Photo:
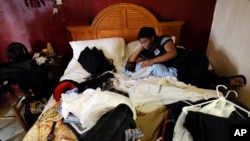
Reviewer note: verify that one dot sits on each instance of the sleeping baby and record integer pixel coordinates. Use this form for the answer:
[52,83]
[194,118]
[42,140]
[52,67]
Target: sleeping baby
[135,70]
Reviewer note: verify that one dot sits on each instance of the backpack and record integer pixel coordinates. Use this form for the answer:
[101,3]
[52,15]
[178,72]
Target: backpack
[17,52]
[94,61]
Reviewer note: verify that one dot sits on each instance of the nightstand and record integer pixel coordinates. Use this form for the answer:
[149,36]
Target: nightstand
[54,68]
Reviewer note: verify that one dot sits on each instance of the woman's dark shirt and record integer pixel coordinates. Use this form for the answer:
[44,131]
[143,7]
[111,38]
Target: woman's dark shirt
[159,50]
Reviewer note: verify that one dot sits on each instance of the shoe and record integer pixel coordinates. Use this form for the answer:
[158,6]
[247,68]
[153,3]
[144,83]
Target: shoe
[237,81]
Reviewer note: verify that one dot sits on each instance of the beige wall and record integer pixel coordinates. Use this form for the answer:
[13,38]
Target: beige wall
[229,42]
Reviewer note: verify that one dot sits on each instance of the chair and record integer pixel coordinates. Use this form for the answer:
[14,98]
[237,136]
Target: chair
[16,107]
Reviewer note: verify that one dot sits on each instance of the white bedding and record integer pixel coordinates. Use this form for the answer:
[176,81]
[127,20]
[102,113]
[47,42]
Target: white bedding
[145,94]
[152,90]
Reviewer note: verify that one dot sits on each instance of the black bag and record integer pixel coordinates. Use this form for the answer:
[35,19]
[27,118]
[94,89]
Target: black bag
[34,106]
[25,73]
[112,125]
[94,61]
[11,70]
[95,82]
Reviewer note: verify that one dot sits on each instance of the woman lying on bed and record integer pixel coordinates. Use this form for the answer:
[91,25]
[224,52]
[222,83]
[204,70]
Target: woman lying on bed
[192,67]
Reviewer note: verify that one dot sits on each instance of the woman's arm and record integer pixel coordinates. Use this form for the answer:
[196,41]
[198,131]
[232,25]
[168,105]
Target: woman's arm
[134,57]
[171,53]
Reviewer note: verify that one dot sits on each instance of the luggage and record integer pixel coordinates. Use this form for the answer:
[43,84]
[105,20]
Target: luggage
[111,126]
[25,73]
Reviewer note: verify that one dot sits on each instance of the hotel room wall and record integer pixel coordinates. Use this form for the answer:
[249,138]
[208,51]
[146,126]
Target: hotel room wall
[36,26]
[228,47]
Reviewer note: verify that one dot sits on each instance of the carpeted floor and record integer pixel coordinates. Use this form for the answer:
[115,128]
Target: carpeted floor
[6,100]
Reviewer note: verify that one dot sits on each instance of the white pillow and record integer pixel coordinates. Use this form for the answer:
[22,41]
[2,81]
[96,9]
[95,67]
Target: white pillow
[74,71]
[130,48]
[113,48]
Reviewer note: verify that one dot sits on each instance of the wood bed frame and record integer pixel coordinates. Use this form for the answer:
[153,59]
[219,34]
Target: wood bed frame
[124,20]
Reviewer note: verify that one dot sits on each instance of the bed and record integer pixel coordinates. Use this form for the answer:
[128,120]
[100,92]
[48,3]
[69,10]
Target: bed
[114,30]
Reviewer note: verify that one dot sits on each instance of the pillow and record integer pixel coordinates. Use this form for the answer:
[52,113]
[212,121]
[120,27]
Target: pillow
[130,48]
[113,48]
[74,71]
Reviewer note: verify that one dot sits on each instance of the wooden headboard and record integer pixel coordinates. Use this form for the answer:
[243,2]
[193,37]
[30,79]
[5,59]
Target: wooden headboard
[124,20]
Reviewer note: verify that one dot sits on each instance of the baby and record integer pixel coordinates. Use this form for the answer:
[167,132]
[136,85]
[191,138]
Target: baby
[134,70]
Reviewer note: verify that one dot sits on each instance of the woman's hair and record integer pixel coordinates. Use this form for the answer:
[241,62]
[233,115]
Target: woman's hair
[147,32]
[17,52]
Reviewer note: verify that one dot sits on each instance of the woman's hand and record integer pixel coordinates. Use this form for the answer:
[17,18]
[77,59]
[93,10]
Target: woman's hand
[146,63]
